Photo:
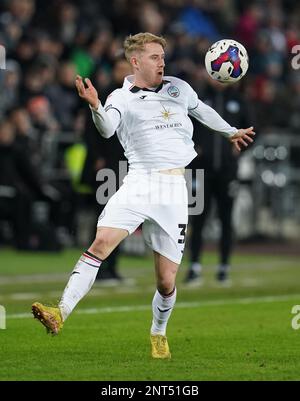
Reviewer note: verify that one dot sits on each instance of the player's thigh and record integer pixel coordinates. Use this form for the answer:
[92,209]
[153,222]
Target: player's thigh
[108,238]
[166,236]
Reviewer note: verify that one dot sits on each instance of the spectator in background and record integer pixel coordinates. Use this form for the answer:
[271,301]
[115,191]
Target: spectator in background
[48,45]
[20,184]
[42,116]
[9,85]
[25,52]
[151,20]
[26,135]
[15,20]
[67,22]
[248,25]
[32,85]
[93,55]
[219,160]
[62,92]
[269,108]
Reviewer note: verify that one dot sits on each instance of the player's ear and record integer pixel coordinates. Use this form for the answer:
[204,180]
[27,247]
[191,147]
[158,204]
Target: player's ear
[134,61]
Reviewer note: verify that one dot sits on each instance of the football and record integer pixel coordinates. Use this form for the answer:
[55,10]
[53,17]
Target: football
[227,61]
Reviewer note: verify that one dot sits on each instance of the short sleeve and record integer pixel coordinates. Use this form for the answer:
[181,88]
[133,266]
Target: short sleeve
[115,102]
[192,98]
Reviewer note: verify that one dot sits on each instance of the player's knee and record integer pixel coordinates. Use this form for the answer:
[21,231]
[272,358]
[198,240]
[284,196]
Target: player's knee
[165,286]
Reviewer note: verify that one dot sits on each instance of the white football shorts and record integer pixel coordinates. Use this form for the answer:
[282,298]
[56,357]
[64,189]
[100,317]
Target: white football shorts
[157,200]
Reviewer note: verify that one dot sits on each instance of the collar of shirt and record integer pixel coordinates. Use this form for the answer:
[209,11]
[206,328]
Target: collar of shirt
[128,84]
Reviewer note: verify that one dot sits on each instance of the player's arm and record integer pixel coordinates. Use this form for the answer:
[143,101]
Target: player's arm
[211,119]
[105,124]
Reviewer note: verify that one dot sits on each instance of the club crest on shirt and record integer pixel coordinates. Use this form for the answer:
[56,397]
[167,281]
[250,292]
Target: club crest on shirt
[173,91]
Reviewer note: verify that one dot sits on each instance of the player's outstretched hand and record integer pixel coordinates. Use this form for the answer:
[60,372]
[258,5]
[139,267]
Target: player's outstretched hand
[89,94]
[242,137]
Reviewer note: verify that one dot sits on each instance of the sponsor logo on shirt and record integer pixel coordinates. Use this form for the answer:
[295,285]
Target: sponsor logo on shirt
[166,114]
[164,126]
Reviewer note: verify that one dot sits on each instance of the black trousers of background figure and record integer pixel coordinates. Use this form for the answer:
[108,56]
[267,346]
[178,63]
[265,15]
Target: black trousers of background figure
[18,211]
[222,189]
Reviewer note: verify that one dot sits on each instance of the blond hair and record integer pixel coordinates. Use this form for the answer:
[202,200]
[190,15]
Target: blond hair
[137,42]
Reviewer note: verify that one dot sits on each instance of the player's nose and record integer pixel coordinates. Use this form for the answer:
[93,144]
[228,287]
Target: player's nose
[161,62]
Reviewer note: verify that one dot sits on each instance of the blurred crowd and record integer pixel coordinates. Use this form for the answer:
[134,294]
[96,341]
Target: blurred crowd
[48,43]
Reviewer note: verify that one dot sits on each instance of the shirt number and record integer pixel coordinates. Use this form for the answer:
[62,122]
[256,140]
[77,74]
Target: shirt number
[182,233]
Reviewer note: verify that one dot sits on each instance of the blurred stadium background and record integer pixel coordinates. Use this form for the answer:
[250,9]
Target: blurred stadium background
[41,114]
[46,207]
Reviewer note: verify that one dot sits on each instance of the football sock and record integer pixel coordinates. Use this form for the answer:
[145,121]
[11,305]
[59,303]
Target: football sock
[162,306]
[80,282]
[196,267]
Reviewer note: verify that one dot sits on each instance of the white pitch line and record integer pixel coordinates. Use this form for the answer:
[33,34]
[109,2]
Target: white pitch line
[62,277]
[34,278]
[23,296]
[95,292]
[179,305]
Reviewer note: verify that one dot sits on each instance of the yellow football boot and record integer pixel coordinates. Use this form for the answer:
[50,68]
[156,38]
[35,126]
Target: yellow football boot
[49,316]
[159,347]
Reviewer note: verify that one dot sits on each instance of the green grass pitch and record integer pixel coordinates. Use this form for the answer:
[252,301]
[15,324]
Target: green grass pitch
[242,332]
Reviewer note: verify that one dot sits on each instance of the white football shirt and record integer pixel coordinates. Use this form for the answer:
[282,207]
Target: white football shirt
[153,126]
